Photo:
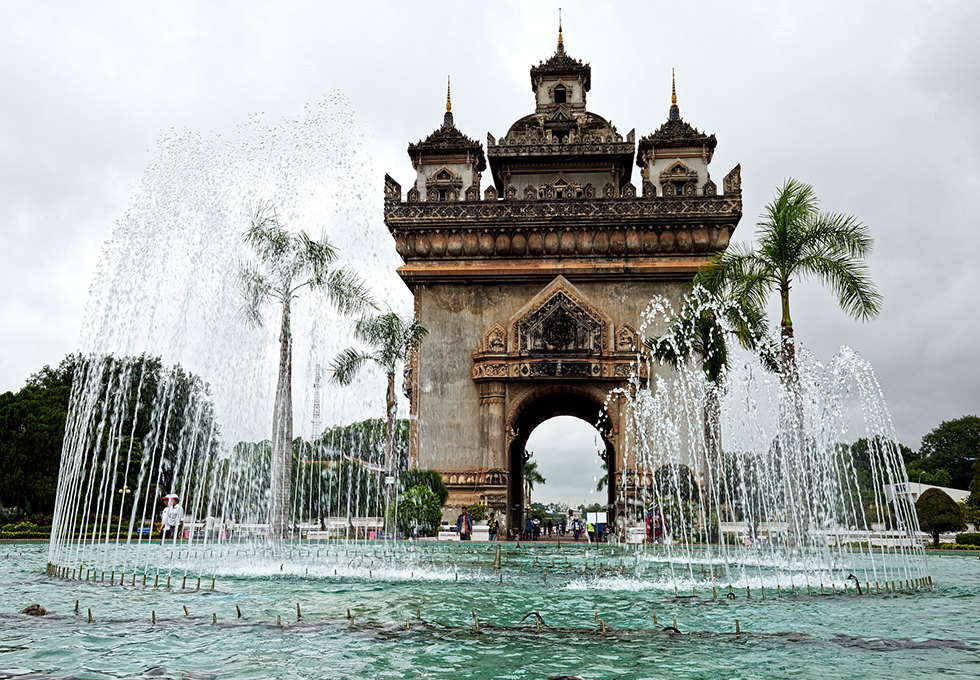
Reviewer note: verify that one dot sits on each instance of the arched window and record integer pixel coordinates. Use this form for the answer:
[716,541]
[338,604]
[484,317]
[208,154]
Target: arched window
[561,94]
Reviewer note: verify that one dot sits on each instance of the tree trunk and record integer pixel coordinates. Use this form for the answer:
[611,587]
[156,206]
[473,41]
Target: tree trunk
[282,434]
[935,538]
[391,465]
[710,496]
[796,469]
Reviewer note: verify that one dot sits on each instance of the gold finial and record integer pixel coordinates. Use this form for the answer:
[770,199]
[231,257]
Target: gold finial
[449,101]
[673,88]
[559,27]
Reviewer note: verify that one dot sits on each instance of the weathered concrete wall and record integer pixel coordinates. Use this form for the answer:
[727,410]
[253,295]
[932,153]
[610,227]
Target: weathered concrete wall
[452,434]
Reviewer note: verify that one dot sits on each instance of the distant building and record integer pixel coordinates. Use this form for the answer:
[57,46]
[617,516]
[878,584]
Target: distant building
[913,490]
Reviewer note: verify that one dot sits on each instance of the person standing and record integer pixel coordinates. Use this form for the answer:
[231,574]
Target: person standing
[492,525]
[464,525]
[172,518]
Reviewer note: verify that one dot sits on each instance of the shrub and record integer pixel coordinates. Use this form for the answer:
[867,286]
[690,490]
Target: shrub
[418,512]
[478,513]
[968,539]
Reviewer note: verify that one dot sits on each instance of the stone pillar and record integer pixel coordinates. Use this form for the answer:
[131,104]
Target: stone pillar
[492,408]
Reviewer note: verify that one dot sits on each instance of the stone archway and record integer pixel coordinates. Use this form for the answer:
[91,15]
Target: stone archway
[540,404]
[547,272]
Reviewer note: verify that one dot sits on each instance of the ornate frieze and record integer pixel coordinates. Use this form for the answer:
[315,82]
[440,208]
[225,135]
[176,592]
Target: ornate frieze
[569,228]
[557,335]
[474,478]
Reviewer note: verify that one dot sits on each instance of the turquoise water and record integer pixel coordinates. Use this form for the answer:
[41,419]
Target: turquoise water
[911,634]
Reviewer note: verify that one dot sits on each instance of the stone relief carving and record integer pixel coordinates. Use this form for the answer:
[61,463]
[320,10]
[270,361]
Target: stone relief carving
[733,181]
[560,326]
[626,339]
[393,190]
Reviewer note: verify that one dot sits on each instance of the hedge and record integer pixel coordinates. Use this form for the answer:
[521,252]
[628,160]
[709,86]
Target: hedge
[968,539]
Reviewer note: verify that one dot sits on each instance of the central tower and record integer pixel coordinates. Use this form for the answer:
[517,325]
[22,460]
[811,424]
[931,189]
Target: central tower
[533,288]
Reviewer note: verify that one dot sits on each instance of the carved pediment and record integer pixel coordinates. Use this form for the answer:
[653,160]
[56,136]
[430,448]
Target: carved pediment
[560,321]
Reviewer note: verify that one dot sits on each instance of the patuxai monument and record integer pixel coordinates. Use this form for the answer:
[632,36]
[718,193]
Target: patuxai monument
[532,284]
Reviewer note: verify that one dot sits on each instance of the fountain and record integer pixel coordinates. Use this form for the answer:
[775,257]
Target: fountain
[175,395]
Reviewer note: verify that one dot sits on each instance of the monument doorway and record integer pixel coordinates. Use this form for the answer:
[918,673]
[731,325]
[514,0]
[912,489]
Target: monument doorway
[569,453]
[545,403]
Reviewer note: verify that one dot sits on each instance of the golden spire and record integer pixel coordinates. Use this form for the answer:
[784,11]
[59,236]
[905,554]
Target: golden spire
[449,101]
[675,112]
[559,26]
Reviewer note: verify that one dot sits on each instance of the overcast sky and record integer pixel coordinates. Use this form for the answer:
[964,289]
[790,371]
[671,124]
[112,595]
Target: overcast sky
[877,105]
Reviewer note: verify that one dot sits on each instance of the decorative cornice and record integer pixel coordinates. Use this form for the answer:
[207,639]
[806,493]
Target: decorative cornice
[674,134]
[601,213]
[446,140]
[557,149]
[560,63]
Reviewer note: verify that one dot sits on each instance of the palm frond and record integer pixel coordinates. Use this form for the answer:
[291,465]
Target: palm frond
[346,365]
[256,291]
[850,279]
[315,257]
[347,292]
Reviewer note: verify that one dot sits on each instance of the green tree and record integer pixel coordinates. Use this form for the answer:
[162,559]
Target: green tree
[287,263]
[710,318]
[392,339]
[363,440]
[938,514]
[953,447]
[531,477]
[418,512]
[32,431]
[796,242]
[478,512]
[430,479]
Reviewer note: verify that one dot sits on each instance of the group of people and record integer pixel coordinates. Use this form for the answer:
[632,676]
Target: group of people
[172,519]
[464,525]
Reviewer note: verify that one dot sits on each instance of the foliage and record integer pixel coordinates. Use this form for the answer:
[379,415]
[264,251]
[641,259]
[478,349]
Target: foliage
[341,489]
[968,539]
[531,474]
[938,513]
[363,440]
[954,447]
[478,512]
[392,340]
[418,512]
[430,479]
[539,514]
[155,403]
[940,477]
[796,241]
[673,481]
[698,332]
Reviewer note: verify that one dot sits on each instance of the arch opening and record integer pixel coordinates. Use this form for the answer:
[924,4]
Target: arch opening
[578,404]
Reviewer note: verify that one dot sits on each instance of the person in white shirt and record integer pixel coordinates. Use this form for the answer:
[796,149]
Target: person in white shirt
[172,518]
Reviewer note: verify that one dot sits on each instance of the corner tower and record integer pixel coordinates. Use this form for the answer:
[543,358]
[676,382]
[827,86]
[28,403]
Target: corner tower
[533,291]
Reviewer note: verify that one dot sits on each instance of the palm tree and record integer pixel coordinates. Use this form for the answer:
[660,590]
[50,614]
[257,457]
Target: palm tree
[698,333]
[797,241]
[393,339]
[285,264]
[531,477]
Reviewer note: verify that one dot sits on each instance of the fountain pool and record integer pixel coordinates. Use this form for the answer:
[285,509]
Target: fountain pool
[416,619]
